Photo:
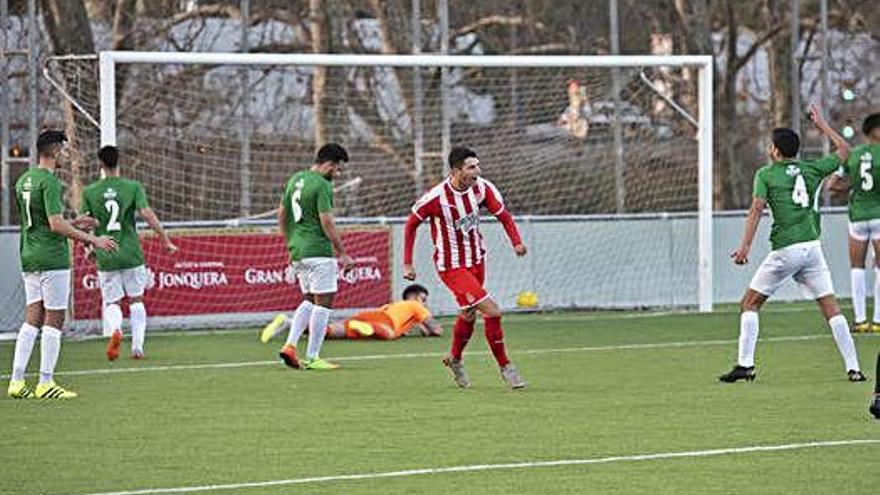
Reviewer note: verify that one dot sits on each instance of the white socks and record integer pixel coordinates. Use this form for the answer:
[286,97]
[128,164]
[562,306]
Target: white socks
[50,346]
[857,279]
[317,330]
[24,345]
[877,295]
[112,319]
[138,325]
[300,321]
[748,338]
[845,344]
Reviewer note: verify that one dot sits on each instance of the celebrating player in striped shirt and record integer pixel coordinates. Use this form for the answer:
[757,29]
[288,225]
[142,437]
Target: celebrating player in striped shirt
[453,210]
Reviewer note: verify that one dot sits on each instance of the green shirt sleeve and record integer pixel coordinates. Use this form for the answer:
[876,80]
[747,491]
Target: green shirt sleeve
[140,197]
[325,198]
[52,198]
[84,203]
[759,190]
[828,164]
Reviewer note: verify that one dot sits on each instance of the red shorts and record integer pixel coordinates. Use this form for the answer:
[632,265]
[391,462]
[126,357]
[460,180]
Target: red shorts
[466,285]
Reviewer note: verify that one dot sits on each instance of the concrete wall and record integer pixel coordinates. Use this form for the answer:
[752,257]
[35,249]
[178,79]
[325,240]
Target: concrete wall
[629,263]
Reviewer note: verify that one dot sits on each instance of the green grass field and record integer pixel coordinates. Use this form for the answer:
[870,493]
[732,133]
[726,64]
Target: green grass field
[213,410]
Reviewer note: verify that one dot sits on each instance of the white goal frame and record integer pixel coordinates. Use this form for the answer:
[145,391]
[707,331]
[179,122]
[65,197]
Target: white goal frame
[108,60]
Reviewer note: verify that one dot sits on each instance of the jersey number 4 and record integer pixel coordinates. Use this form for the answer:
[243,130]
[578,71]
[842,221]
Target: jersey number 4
[799,195]
[113,209]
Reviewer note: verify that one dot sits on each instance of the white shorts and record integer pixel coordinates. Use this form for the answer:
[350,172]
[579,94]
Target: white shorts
[316,275]
[804,262]
[868,229]
[52,287]
[119,283]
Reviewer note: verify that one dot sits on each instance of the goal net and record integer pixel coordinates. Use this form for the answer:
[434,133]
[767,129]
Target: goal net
[604,161]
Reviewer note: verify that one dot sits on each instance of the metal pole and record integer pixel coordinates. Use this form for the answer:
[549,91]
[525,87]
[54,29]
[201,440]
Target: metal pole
[619,175]
[823,80]
[33,82]
[795,66]
[418,100]
[446,131]
[5,112]
[704,198]
[245,127]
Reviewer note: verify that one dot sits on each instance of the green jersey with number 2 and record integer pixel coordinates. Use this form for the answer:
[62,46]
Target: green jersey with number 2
[791,188]
[307,195]
[863,169]
[113,202]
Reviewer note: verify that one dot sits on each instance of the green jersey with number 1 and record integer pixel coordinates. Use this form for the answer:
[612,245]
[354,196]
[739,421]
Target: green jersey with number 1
[307,195]
[113,202]
[791,188]
[38,195]
[863,169]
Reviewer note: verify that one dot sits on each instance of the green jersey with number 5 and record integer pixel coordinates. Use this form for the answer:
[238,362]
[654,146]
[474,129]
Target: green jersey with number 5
[791,188]
[113,202]
[307,195]
[38,195]
[862,169]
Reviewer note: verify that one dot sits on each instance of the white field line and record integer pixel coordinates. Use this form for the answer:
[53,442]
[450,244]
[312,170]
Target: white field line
[411,355]
[496,467]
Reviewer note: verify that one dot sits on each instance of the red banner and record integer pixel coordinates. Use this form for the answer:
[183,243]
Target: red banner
[238,273]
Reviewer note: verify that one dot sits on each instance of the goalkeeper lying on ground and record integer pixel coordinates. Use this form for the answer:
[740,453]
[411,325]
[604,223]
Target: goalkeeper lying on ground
[388,322]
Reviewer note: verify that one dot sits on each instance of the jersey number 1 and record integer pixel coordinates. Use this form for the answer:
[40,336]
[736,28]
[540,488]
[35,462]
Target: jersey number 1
[799,195]
[26,196]
[113,208]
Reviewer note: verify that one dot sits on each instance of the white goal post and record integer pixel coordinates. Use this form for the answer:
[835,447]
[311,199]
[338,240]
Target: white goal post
[109,60]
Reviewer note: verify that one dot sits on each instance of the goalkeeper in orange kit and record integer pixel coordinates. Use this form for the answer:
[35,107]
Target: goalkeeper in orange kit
[388,322]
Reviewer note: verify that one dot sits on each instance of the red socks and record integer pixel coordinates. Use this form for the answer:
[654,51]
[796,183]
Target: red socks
[495,339]
[461,333]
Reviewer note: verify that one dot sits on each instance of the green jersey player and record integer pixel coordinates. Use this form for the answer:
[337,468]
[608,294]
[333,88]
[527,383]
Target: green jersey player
[305,218]
[791,188]
[862,168]
[113,202]
[45,266]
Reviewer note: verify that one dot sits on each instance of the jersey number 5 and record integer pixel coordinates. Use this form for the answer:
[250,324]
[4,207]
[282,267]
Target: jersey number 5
[113,208]
[799,194]
[865,172]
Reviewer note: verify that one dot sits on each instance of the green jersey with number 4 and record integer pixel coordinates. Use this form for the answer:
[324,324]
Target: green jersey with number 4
[38,196]
[113,202]
[863,169]
[307,195]
[791,188]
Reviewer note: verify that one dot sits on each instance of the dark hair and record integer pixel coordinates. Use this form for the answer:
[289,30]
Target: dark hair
[458,155]
[871,122]
[331,152]
[47,141]
[786,141]
[109,156]
[414,289]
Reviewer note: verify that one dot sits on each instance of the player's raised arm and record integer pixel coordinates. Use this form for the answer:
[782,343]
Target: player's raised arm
[842,146]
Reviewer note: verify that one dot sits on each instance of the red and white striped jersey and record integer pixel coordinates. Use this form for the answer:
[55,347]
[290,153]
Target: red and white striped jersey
[455,221]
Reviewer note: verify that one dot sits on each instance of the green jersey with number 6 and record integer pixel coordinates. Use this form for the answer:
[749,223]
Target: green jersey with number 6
[307,195]
[113,202]
[38,195]
[791,188]
[863,169]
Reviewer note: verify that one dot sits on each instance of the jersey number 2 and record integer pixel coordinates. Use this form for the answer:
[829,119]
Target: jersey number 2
[799,195]
[113,208]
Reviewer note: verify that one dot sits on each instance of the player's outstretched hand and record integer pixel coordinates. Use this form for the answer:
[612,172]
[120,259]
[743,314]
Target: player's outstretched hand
[740,256]
[105,243]
[409,272]
[84,222]
[816,116]
[520,249]
[170,248]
